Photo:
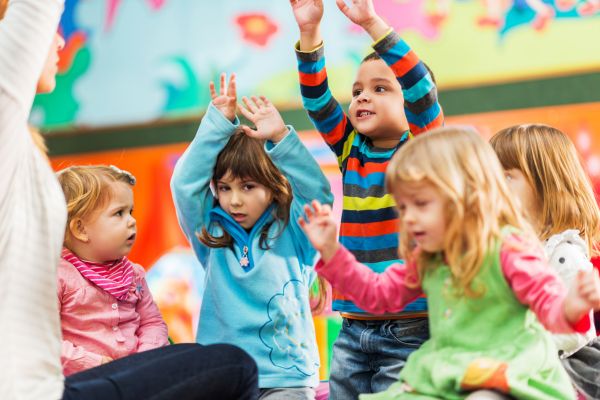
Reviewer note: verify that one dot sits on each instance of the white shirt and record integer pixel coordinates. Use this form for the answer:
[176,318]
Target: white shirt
[32,214]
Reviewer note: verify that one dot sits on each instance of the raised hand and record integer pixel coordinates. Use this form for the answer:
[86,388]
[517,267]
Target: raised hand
[321,229]
[226,100]
[583,296]
[363,13]
[308,14]
[266,118]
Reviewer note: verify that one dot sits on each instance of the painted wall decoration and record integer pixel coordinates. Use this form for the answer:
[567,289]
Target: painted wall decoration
[140,60]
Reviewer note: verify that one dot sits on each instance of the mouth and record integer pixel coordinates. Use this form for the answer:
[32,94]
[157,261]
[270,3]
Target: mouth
[364,114]
[131,238]
[418,235]
[238,217]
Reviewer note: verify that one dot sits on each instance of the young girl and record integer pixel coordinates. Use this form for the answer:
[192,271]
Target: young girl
[106,308]
[258,261]
[468,249]
[545,175]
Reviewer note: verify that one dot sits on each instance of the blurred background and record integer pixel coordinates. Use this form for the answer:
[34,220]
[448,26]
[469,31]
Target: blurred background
[133,85]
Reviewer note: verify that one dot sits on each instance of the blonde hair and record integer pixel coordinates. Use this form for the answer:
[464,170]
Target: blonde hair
[465,171]
[550,163]
[87,189]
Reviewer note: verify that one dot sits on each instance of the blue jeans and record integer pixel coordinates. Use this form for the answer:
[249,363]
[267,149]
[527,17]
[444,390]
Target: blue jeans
[176,372]
[368,355]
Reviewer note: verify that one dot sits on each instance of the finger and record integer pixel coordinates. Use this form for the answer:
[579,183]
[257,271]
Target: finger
[222,88]
[211,88]
[247,114]
[302,223]
[326,210]
[342,6]
[248,131]
[309,213]
[317,206]
[266,101]
[231,88]
[259,103]
[249,105]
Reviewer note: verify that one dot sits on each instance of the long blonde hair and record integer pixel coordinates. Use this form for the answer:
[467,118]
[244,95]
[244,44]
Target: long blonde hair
[87,189]
[550,163]
[466,172]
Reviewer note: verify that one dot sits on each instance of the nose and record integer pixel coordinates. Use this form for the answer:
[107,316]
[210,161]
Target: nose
[60,42]
[363,97]
[236,198]
[408,217]
[132,222]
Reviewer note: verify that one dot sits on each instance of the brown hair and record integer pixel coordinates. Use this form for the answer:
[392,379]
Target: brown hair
[244,157]
[87,188]
[550,163]
[465,171]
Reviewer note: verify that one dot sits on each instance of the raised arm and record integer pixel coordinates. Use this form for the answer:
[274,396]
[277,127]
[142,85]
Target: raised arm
[421,106]
[190,183]
[26,32]
[323,109]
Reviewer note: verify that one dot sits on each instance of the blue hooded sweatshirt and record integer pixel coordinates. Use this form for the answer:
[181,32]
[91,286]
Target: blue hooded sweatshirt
[262,307]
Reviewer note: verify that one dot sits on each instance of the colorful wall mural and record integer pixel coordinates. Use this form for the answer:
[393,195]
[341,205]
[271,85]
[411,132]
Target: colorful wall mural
[137,61]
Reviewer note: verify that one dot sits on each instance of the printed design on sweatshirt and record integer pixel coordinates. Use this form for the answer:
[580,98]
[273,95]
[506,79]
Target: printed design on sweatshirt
[288,332]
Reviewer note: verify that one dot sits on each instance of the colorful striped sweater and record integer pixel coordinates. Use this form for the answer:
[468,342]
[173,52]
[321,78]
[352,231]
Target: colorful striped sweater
[369,227]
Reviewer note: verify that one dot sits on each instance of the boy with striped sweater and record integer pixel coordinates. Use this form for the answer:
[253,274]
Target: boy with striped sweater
[394,96]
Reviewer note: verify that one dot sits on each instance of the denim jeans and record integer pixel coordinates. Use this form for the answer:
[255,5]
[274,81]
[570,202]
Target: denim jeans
[368,355]
[178,372]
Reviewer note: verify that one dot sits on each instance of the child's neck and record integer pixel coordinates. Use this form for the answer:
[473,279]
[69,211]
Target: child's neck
[85,253]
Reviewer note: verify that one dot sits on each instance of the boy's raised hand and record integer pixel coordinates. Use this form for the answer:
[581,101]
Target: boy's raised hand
[226,100]
[320,229]
[363,13]
[268,121]
[583,296]
[308,14]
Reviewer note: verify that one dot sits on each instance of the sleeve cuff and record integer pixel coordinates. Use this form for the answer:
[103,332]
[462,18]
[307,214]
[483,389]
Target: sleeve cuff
[375,43]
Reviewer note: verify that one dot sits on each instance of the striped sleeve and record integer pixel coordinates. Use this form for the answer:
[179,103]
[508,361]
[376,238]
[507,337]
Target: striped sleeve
[421,106]
[323,109]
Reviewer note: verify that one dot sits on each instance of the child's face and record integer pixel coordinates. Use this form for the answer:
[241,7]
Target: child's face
[244,199]
[377,106]
[524,192]
[422,214]
[111,231]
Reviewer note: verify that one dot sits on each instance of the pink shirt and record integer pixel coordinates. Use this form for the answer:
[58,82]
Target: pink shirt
[95,324]
[525,269]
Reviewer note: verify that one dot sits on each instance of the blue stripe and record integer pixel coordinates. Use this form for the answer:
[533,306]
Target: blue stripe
[419,305]
[419,90]
[399,50]
[362,151]
[326,125]
[310,67]
[371,242]
[413,76]
[383,214]
[316,103]
[373,179]
[426,117]
[379,267]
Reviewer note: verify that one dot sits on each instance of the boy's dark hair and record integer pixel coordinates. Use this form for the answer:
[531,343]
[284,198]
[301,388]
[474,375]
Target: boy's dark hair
[374,56]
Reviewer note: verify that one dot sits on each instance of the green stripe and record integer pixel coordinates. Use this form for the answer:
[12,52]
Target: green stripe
[581,88]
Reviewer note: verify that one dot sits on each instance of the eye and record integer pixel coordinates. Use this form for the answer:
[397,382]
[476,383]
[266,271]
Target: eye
[131,212]
[356,92]
[421,203]
[222,188]
[119,213]
[249,186]
[508,176]
[380,89]
[402,207]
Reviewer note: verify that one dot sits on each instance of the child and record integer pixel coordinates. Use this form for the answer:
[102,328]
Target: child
[545,175]
[106,309]
[393,97]
[258,261]
[469,250]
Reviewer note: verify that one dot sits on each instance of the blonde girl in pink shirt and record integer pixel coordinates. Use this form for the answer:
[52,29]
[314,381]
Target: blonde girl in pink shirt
[106,309]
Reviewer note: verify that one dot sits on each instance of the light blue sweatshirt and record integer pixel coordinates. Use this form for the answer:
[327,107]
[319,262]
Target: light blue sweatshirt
[262,308]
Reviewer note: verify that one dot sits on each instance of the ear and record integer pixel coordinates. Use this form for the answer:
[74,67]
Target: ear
[77,229]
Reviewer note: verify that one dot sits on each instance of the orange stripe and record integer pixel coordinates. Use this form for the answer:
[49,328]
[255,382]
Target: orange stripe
[405,64]
[436,123]
[369,229]
[336,133]
[313,79]
[366,169]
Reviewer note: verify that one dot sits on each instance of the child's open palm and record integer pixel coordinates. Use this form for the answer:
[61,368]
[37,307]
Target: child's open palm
[361,13]
[583,295]
[266,118]
[308,13]
[320,228]
[226,100]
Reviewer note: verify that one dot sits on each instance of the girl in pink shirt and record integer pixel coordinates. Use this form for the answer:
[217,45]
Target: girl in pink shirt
[467,248]
[106,309]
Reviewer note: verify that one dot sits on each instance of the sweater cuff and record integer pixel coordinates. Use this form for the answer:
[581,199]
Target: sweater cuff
[309,56]
[327,269]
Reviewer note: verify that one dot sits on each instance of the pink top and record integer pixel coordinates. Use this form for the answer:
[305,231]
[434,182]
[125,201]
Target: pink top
[94,324]
[525,269]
